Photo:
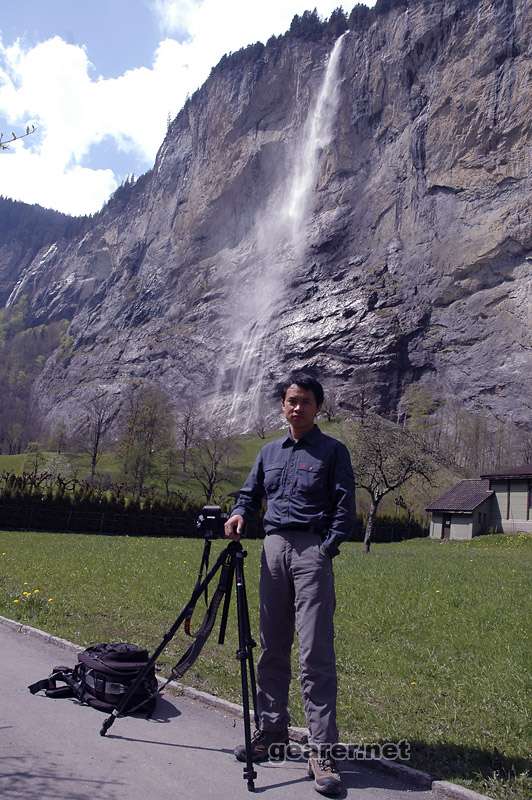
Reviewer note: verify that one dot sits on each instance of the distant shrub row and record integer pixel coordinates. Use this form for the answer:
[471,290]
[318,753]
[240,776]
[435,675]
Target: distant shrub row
[81,495]
[88,510]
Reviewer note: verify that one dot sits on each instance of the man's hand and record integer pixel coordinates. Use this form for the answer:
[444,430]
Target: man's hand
[233,527]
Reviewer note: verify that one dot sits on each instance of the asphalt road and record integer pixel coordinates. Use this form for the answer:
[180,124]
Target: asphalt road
[52,750]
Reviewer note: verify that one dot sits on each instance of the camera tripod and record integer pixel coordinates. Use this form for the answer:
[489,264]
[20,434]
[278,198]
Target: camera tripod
[230,562]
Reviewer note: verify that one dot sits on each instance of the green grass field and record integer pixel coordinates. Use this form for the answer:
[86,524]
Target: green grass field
[432,640]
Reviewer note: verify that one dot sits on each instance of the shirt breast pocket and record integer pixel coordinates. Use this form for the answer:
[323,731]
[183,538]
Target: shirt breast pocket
[310,478]
[272,479]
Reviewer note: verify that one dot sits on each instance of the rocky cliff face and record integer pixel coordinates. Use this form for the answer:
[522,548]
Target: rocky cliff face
[416,264]
[24,232]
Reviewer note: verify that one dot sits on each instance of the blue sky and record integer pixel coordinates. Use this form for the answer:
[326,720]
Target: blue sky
[98,24]
[100,78]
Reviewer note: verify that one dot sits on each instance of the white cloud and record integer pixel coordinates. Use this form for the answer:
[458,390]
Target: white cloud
[51,85]
[175,16]
[27,175]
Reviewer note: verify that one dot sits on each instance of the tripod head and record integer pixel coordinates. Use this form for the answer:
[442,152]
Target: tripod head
[211,522]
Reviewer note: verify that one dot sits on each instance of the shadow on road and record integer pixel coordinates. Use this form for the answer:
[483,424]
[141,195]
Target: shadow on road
[169,744]
[164,711]
[354,776]
[31,783]
[449,761]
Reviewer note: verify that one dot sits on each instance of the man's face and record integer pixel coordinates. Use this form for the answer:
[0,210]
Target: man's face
[299,408]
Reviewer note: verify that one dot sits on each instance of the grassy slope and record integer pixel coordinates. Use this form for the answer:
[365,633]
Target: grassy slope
[12,463]
[431,638]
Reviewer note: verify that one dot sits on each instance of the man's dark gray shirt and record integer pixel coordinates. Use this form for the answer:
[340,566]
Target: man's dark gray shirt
[308,484]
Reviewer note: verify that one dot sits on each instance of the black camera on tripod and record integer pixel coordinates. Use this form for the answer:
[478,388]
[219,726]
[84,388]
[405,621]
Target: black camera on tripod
[211,522]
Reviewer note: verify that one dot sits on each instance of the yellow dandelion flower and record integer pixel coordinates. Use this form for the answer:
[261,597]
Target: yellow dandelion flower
[17,600]
[36,591]
[26,594]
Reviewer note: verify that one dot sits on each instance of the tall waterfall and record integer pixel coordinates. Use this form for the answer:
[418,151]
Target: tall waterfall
[281,237]
[317,135]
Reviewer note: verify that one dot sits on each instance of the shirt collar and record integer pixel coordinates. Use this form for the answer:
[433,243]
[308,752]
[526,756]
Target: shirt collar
[310,437]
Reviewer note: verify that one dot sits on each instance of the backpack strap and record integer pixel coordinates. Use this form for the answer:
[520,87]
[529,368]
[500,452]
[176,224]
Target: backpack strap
[202,574]
[205,629]
[38,686]
[66,675]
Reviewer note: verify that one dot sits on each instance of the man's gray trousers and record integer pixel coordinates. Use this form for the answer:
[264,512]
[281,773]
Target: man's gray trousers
[297,592]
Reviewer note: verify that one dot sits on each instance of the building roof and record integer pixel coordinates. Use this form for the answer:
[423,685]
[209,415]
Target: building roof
[465,496]
[511,472]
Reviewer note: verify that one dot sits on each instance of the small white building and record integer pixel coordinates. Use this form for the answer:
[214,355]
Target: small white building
[500,501]
[462,512]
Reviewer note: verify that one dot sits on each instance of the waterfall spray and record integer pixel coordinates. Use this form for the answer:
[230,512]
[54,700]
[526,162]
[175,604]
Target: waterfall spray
[281,237]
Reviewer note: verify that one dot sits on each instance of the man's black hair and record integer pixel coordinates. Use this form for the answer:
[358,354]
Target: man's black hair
[304,381]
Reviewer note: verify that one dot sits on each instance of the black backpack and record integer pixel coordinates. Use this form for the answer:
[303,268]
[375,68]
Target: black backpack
[102,676]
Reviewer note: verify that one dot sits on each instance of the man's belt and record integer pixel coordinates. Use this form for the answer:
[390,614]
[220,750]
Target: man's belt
[295,529]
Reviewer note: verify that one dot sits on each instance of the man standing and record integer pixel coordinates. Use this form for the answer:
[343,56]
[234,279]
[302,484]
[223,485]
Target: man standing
[308,483]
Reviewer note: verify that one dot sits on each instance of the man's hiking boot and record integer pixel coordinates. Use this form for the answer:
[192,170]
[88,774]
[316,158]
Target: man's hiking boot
[260,744]
[327,779]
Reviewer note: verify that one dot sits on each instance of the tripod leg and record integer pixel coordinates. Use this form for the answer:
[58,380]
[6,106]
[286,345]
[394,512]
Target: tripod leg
[250,644]
[227,600]
[243,656]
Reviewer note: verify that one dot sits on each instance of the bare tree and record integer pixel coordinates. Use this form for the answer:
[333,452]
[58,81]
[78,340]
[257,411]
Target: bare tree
[361,395]
[526,447]
[14,436]
[260,426]
[95,427]
[59,437]
[385,456]
[34,460]
[330,407]
[211,457]
[262,420]
[4,144]
[147,425]
[168,464]
[473,442]
[187,420]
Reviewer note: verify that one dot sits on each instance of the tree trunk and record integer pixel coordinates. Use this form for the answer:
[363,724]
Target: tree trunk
[94,458]
[370,524]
